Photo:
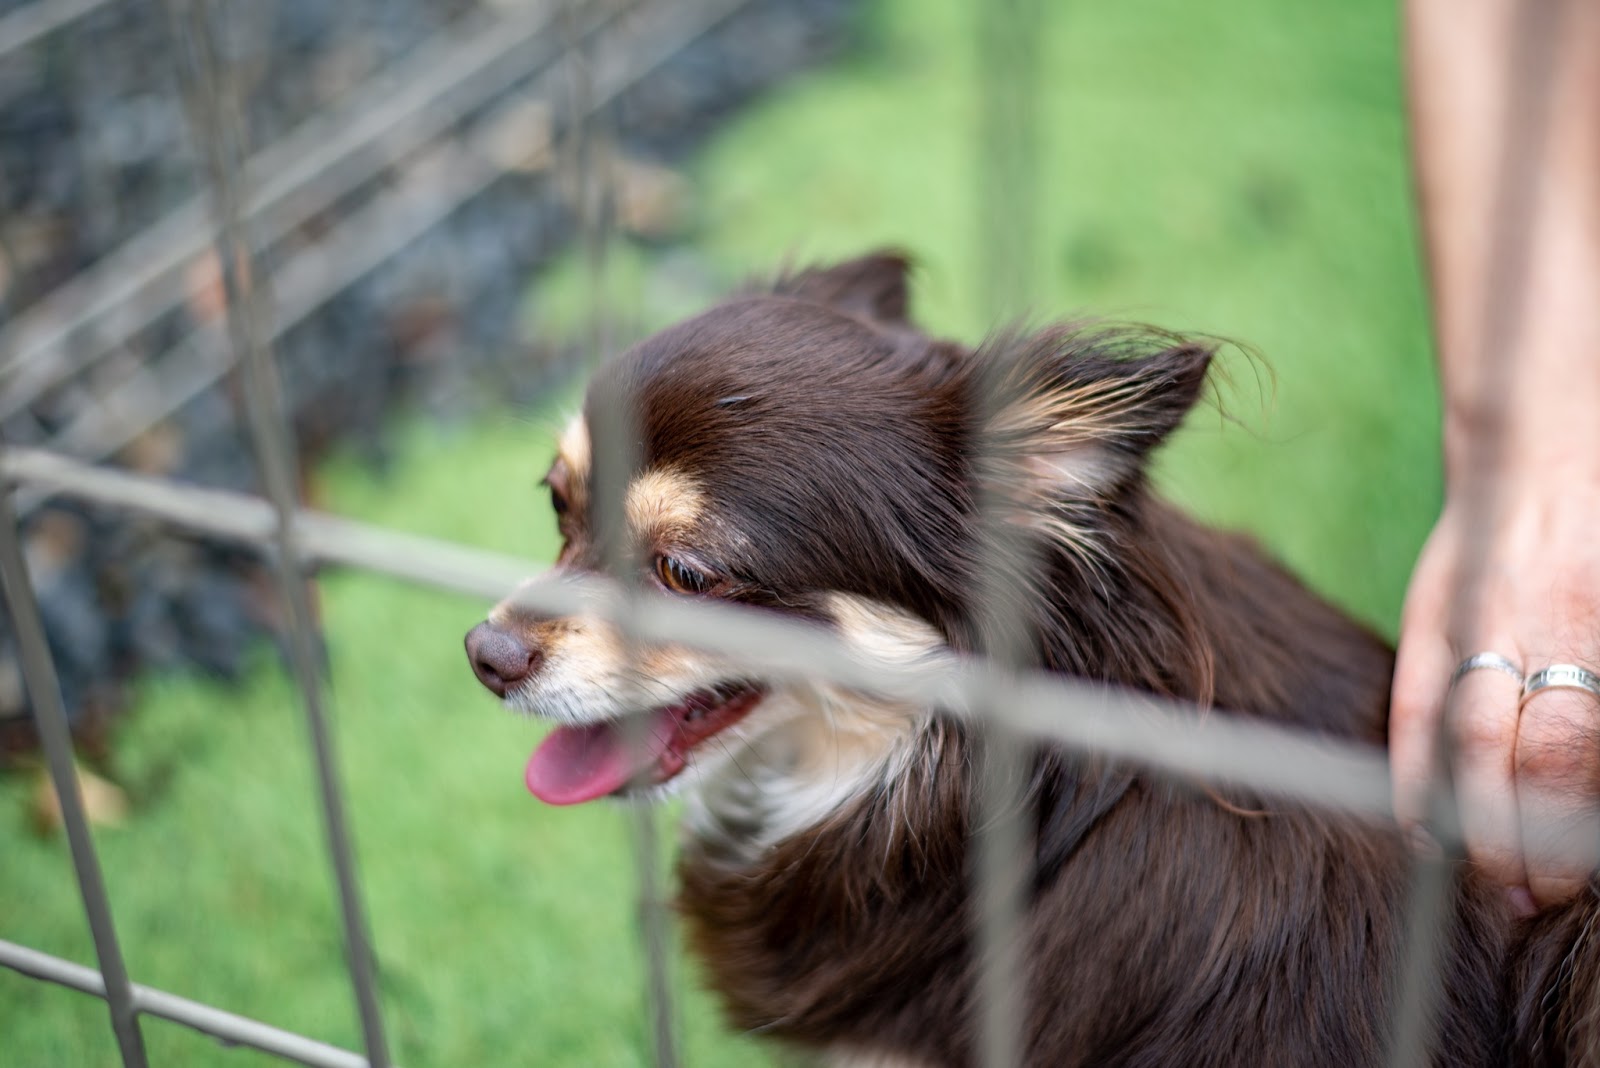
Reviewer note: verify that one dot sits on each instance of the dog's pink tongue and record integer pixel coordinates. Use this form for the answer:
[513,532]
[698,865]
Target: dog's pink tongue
[575,764]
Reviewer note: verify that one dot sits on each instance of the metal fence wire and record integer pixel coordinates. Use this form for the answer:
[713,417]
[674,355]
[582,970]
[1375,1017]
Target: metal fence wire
[250,200]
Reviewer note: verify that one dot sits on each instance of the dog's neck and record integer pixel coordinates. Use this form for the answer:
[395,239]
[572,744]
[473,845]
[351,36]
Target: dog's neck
[829,748]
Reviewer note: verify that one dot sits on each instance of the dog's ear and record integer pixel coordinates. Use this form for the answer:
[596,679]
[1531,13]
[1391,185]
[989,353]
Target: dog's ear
[871,286]
[1077,412]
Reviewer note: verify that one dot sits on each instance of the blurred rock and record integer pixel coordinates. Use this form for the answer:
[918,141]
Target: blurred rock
[653,202]
[104,803]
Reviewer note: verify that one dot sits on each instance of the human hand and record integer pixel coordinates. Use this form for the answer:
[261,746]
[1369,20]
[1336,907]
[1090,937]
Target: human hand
[1527,782]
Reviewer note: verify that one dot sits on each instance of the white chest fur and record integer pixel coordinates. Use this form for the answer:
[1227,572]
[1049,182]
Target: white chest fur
[827,748]
[811,749]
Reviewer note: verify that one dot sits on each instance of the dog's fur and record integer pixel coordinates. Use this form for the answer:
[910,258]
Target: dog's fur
[812,452]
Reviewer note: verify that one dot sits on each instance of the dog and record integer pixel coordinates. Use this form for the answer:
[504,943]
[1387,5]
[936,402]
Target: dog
[805,449]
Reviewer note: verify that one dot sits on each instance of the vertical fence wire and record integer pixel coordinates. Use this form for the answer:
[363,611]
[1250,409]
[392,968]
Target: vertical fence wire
[613,436]
[1006,144]
[219,134]
[44,690]
[1533,58]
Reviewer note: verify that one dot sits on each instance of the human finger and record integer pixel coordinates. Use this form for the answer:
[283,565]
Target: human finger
[1557,766]
[1481,715]
[1421,675]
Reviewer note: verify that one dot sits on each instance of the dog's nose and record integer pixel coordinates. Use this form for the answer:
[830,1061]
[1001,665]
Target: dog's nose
[499,658]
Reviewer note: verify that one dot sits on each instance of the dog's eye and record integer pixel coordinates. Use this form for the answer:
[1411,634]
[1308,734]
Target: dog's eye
[679,577]
[558,501]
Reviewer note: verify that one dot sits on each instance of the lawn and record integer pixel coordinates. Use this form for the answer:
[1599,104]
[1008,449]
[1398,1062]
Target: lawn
[1234,167]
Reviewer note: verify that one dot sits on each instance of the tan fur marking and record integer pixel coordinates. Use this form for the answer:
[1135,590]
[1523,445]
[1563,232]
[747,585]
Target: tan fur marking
[573,445]
[573,452]
[536,632]
[664,502]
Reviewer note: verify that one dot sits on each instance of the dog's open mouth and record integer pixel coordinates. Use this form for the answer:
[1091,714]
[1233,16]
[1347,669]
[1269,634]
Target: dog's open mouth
[575,764]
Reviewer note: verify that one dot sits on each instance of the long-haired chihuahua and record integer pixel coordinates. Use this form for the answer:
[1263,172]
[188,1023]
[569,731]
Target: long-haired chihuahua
[803,448]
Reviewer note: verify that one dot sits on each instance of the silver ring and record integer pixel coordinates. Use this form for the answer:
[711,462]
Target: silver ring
[1559,677]
[1488,660]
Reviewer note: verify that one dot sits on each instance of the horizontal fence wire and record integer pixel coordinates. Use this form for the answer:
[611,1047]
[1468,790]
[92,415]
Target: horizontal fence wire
[1298,766]
[226,1027]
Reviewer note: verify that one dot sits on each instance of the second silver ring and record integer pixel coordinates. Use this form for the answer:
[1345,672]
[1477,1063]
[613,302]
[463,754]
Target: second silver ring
[1560,677]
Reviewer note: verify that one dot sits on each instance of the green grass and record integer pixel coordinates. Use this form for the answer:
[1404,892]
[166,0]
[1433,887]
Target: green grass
[504,929]
[1235,167]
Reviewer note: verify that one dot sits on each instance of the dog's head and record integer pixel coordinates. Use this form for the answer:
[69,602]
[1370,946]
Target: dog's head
[805,449]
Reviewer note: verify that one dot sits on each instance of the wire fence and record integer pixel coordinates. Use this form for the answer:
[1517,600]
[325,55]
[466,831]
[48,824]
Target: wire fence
[584,55]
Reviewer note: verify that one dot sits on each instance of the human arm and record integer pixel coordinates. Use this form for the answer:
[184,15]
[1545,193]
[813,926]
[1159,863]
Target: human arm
[1513,565]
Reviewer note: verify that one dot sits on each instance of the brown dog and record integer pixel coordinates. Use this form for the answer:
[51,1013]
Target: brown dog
[807,450]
